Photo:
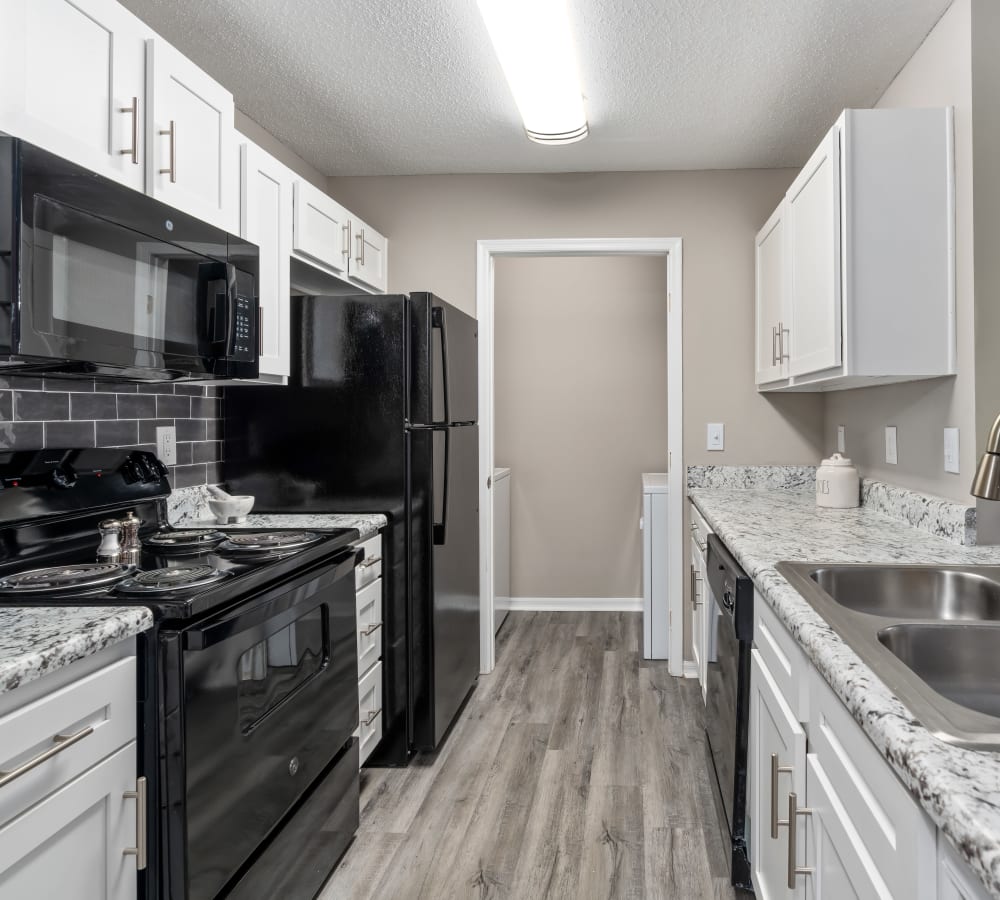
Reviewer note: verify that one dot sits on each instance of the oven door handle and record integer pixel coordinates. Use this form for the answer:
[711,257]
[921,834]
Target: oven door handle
[260,609]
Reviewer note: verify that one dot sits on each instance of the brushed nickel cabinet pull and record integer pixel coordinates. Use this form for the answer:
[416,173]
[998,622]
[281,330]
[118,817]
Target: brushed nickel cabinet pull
[774,345]
[775,770]
[61,742]
[171,170]
[371,629]
[369,561]
[139,850]
[133,151]
[360,238]
[782,331]
[793,813]
[372,716]
[346,231]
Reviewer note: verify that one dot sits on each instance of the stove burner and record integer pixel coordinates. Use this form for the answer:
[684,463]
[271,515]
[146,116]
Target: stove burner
[269,542]
[195,539]
[64,579]
[174,578]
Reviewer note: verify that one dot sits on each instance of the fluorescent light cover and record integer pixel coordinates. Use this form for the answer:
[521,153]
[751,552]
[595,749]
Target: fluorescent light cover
[532,40]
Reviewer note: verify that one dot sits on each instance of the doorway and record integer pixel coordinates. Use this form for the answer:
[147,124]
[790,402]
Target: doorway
[669,249]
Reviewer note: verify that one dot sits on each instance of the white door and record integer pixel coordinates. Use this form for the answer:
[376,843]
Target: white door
[771,318]
[369,255]
[192,163]
[777,762]
[813,243]
[71,844]
[74,83]
[266,219]
[320,229]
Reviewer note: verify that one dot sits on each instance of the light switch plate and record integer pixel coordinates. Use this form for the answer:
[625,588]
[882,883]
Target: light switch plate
[841,439]
[716,436]
[951,450]
[166,444]
[891,450]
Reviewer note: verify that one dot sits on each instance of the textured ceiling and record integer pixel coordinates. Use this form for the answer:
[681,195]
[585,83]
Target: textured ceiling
[413,86]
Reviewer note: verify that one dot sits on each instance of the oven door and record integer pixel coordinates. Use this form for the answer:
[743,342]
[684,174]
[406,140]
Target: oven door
[269,699]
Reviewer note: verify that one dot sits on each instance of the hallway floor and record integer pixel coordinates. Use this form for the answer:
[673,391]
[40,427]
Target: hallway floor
[576,770]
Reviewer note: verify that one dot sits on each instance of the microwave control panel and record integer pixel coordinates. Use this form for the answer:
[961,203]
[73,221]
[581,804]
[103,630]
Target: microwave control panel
[244,332]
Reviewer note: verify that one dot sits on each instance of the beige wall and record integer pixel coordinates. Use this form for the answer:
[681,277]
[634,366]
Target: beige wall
[581,412]
[434,221]
[939,74]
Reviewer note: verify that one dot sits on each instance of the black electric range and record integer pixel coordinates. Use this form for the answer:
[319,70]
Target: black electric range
[247,685]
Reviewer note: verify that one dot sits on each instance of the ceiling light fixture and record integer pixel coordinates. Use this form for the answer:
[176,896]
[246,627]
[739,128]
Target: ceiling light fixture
[532,40]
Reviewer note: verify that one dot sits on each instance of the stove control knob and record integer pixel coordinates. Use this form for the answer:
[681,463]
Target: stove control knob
[63,478]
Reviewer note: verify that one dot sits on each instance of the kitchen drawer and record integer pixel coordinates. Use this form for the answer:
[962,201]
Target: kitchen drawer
[370,711]
[781,654]
[369,626]
[699,528]
[103,701]
[370,567]
[896,832]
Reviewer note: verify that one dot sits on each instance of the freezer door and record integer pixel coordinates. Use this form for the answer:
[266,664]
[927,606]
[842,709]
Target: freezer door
[455,602]
[443,363]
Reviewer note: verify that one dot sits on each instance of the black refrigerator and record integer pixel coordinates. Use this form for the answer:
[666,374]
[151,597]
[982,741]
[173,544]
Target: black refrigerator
[380,415]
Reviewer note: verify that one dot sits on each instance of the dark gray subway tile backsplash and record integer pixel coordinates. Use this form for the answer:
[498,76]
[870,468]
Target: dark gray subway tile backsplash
[52,412]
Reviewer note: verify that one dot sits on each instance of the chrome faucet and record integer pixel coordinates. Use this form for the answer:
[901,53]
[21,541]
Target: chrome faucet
[986,483]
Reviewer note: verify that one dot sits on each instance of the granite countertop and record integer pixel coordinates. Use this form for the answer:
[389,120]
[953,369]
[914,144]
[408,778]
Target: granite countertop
[958,788]
[368,524]
[37,640]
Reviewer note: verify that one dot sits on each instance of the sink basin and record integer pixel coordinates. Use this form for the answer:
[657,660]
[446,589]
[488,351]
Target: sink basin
[960,662]
[912,592]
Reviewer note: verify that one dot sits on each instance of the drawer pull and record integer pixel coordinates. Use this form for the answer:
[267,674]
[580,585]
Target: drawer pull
[793,813]
[372,716]
[775,770]
[62,742]
[369,562]
[139,850]
[371,629]
[132,151]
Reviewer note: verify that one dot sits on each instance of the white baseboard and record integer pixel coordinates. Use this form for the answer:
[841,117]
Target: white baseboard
[575,604]
[690,669]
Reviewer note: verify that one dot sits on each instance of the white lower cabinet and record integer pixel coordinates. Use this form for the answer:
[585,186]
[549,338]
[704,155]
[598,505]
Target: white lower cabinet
[370,711]
[955,881]
[369,587]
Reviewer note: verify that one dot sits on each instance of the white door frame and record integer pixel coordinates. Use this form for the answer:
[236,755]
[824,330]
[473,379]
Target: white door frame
[670,249]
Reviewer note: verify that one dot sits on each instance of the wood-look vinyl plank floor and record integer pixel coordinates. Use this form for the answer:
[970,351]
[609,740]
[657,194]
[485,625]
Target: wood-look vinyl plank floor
[576,770]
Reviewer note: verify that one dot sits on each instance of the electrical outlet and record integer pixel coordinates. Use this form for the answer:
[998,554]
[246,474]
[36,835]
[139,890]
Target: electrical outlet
[166,444]
[841,439]
[951,450]
[891,450]
[716,436]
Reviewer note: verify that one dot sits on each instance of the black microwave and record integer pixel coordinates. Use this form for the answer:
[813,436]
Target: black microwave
[98,280]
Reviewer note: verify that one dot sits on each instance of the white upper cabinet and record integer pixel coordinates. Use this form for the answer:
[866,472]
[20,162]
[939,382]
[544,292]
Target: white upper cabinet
[855,270]
[87,103]
[320,232]
[191,138]
[368,256]
[266,220]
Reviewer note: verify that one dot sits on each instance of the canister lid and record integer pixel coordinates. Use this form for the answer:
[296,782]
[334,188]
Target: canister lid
[838,459]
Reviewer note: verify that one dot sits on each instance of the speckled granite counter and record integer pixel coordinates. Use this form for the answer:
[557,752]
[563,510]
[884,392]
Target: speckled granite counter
[368,525]
[40,639]
[959,788]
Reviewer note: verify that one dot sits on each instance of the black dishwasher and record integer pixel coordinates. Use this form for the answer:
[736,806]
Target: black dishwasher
[727,717]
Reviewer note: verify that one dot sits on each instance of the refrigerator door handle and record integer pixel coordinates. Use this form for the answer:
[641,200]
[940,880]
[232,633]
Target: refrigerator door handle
[438,321]
[440,528]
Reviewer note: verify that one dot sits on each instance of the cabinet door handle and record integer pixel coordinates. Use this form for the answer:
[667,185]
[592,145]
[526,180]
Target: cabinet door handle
[132,151]
[139,850]
[61,742]
[360,238]
[774,345]
[346,232]
[793,813]
[369,561]
[171,170]
[371,629]
[775,770]
[372,716]
[782,331]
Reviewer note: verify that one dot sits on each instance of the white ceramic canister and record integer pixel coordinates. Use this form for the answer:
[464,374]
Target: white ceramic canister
[837,483]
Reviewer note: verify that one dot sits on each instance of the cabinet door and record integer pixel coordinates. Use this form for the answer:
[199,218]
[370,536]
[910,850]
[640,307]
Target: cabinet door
[74,82]
[813,242]
[369,255]
[698,591]
[777,762]
[71,844]
[320,229]
[771,318]
[841,866]
[266,219]
[956,881]
[192,163]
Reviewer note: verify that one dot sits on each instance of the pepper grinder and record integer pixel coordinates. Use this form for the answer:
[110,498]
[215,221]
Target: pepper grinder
[131,548]
[110,550]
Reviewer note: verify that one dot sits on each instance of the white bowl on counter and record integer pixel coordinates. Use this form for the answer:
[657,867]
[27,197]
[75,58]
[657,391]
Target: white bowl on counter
[232,510]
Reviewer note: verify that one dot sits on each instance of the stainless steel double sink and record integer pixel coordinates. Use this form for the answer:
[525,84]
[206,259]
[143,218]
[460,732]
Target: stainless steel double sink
[931,633]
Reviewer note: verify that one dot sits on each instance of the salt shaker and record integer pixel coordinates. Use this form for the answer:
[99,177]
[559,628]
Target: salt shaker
[110,550]
[131,547]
